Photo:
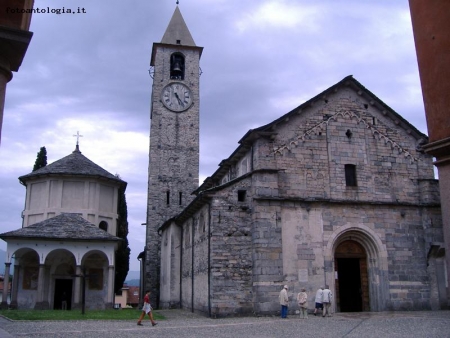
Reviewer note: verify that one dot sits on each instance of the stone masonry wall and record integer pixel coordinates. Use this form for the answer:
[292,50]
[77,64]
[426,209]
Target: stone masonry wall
[394,191]
[194,256]
[231,261]
[387,163]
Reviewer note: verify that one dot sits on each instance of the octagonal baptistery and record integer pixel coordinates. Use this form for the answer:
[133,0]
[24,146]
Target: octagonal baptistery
[73,184]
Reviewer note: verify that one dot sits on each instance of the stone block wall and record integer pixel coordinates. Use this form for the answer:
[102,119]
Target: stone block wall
[194,260]
[231,260]
[313,147]
[170,267]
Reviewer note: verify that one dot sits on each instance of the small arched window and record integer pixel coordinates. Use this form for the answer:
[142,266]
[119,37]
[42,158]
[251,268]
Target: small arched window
[103,225]
[177,66]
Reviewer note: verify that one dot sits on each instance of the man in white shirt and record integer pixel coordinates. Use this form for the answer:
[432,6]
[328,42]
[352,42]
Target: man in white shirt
[284,302]
[318,300]
[327,297]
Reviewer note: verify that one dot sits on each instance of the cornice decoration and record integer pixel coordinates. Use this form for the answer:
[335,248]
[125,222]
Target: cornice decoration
[322,126]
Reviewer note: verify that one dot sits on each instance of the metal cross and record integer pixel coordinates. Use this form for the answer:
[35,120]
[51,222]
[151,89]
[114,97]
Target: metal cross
[78,136]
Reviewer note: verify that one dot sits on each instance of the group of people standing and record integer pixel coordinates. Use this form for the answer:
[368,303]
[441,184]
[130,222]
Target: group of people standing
[322,300]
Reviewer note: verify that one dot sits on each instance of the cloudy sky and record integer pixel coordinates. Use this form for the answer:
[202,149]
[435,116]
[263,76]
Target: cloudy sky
[89,73]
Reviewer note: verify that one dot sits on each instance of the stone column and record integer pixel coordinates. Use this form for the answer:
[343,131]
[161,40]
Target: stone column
[77,290]
[15,287]
[40,303]
[4,304]
[110,296]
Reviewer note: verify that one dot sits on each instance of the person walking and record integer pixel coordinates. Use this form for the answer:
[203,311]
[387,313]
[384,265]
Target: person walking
[302,299]
[284,301]
[146,310]
[318,301]
[64,301]
[327,298]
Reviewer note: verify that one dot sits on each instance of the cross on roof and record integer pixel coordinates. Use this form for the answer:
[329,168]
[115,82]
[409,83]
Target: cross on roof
[78,136]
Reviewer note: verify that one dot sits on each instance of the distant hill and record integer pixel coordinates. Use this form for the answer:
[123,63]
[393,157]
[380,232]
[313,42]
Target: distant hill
[133,278]
[132,282]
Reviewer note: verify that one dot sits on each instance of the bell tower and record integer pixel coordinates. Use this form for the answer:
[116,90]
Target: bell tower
[174,137]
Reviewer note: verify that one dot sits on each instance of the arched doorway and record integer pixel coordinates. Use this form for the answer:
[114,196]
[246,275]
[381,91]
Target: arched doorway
[351,277]
[61,278]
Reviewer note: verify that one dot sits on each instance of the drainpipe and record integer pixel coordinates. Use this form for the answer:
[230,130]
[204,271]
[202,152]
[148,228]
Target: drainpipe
[209,260]
[253,160]
[192,266]
[181,267]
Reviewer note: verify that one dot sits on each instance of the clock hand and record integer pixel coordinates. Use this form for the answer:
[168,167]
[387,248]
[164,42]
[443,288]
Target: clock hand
[179,100]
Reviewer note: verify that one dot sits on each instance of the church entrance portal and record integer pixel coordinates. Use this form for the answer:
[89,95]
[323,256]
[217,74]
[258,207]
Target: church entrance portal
[352,286]
[63,290]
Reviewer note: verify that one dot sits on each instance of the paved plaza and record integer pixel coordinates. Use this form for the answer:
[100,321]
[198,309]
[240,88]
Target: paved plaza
[187,325]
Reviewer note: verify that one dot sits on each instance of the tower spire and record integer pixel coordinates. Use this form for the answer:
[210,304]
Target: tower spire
[177,32]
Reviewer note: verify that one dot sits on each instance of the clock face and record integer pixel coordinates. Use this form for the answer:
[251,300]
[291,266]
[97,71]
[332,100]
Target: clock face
[176,97]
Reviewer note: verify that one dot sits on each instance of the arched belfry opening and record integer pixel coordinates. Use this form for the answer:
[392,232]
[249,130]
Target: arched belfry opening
[352,282]
[177,66]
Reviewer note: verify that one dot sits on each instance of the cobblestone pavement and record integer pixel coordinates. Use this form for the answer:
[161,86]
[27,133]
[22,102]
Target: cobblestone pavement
[185,324]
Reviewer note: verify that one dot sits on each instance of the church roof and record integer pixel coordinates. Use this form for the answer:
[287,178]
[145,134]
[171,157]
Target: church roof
[177,30]
[62,227]
[75,164]
[267,130]
[351,82]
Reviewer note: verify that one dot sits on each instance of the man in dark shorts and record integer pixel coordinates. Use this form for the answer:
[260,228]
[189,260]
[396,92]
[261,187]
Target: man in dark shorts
[318,300]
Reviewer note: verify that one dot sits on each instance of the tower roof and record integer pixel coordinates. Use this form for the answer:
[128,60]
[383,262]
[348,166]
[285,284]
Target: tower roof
[177,33]
[74,164]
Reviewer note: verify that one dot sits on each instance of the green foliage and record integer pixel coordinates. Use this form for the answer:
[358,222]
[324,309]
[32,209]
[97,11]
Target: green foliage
[110,314]
[41,159]
[123,251]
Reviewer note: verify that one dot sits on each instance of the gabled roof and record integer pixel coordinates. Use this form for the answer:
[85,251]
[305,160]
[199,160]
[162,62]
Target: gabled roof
[62,227]
[177,30]
[351,82]
[268,130]
[75,164]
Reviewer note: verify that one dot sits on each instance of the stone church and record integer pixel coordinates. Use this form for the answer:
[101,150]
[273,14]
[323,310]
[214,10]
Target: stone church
[65,249]
[336,192]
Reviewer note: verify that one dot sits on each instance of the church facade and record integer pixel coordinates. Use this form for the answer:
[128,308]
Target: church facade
[336,192]
[68,238]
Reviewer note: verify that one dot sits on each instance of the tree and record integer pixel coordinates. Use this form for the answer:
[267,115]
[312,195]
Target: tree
[41,159]
[123,251]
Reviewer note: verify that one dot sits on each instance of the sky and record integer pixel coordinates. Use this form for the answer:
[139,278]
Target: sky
[88,72]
